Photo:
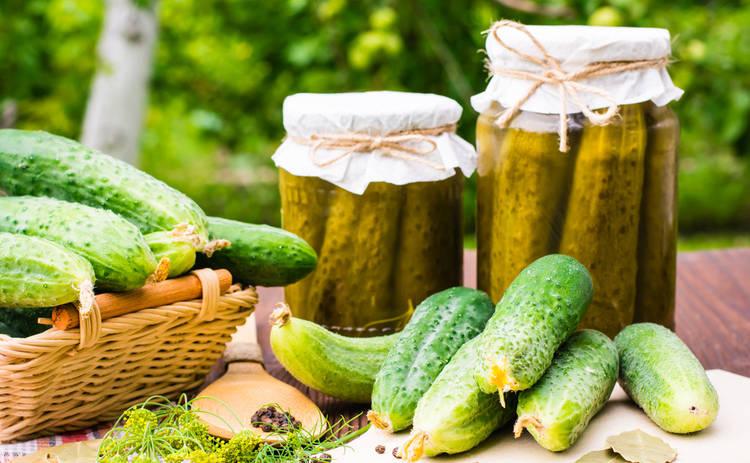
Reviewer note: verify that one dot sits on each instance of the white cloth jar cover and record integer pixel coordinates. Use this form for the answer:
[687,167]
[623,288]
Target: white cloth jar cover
[575,48]
[353,139]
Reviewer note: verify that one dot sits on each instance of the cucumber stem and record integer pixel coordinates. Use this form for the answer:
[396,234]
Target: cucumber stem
[500,376]
[186,232]
[86,298]
[379,421]
[215,245]
[162,271]
[413,449]
[524,422]
[281,314]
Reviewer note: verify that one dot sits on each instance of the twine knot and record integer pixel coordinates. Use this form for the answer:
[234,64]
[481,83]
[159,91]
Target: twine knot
[568,83]
[377,142]
[410,145]
[555,75]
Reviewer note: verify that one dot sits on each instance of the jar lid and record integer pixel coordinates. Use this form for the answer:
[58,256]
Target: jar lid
[576,46]
[352,139]
[367,112]
[577,50]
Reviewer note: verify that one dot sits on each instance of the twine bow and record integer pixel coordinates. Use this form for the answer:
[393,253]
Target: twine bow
[568,83]
[410,145]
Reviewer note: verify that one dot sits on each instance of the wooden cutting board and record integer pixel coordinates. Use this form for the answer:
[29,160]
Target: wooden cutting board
[727,440]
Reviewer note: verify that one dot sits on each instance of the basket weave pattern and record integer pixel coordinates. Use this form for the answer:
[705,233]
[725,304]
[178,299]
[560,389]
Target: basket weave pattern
[49,384]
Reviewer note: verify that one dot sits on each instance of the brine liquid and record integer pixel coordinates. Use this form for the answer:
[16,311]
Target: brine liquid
[379,254]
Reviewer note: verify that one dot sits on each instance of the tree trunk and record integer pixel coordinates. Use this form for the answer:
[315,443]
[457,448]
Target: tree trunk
[116,105]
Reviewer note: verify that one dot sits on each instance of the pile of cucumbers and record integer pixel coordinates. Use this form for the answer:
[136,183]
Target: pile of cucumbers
[75,220]
[462,368]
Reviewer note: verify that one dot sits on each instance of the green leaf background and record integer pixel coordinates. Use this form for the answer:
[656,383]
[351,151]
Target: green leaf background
[223,67]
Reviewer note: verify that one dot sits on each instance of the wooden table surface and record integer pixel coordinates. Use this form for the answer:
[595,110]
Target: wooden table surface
[713,317]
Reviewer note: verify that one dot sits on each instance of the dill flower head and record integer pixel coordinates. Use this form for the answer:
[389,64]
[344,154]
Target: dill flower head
[241,448]
[139,420]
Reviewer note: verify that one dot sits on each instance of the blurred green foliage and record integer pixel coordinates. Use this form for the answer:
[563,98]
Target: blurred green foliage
[713,240]
[223,68]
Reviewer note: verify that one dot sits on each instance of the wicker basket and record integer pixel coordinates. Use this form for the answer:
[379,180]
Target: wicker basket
[50,384]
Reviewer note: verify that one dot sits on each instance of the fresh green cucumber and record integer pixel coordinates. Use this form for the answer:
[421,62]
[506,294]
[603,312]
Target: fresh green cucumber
[35,272]
[661,375]
[42,164]
[557,409]
[259,254]
[336,365]
[115,248]
[176,246]
[441,324]
[22,323]
[455,415]
[538,311]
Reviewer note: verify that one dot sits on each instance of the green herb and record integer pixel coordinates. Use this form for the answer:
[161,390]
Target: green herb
[161,431]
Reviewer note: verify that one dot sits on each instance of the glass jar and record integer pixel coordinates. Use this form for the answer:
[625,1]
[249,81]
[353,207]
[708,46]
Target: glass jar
[379,254]
[386,243]
[609,200]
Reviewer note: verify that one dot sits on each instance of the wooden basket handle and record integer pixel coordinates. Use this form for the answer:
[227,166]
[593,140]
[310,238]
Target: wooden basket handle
[112,305]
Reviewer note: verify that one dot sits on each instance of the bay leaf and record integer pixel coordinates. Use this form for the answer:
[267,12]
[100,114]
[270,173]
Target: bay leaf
[77,452]
[638,447]
[602,456]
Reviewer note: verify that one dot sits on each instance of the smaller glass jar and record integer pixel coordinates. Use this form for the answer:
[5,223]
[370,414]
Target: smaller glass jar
[386,217]
[606,195]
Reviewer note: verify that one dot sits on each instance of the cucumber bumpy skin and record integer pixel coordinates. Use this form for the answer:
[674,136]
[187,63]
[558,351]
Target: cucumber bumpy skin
[115,248]
[538,311]
[35,272]
[557,409]
[441,324]
[41,164]
[455,415]
[662,375]
[336,365]
[259,254]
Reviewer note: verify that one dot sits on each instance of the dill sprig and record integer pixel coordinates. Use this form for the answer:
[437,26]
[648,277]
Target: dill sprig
[162,431]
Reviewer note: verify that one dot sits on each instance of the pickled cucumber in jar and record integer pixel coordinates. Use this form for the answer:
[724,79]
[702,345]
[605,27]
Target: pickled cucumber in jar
[373,181]
[429,256]
[657,253]
[522,190]
[603,216]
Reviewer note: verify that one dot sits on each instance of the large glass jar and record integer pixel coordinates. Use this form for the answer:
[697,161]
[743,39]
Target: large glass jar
[386,243]
[608,200]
